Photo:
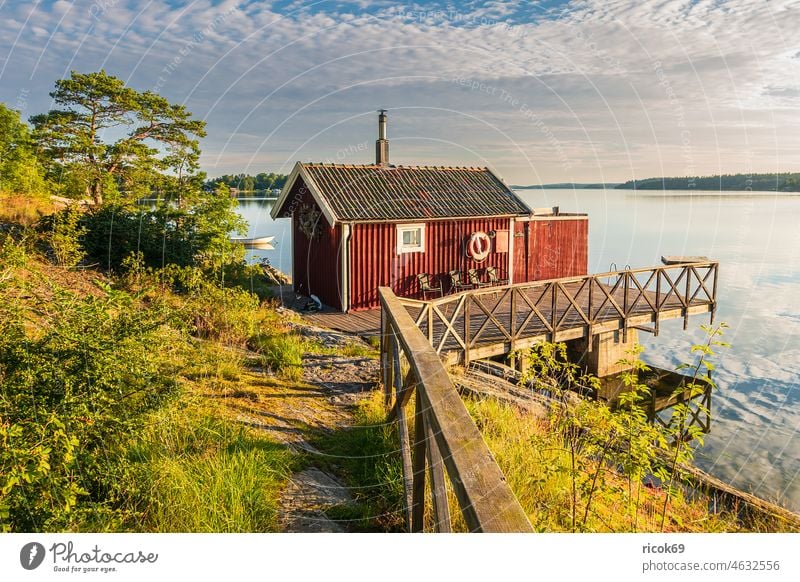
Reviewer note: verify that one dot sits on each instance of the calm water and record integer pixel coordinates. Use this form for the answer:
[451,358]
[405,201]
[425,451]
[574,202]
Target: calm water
[756,238]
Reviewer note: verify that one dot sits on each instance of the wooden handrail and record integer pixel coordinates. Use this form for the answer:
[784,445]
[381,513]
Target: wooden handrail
[564,280]
[444,434]
[547,309]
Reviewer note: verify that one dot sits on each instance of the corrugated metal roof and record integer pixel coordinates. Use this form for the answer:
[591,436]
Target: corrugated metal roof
[373,192]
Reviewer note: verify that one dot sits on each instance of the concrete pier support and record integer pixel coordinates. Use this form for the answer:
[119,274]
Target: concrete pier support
[607,350]
[519,361]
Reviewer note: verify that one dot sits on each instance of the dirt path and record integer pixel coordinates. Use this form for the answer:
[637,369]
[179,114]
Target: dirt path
[294,412]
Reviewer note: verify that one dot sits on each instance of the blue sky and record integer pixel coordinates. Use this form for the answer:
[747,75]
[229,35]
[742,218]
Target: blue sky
[540,91]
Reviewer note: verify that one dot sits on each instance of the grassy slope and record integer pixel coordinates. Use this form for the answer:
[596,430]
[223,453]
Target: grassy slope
[192,467]
[538,470]
[202,470]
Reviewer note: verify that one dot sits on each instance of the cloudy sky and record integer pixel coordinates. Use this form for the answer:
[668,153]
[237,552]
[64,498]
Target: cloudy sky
[540,91]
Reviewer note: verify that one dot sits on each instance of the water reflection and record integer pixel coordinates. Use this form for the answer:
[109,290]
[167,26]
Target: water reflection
[256,212]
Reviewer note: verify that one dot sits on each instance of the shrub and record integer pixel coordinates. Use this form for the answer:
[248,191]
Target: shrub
[227,315]
[64,233]
[20,171]
[71,391]
[194,235]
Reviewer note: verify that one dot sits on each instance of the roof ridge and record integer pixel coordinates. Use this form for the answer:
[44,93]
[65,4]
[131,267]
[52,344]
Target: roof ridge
[398,166]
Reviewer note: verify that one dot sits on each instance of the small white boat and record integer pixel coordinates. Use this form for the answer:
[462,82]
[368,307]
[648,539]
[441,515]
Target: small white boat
[260,242]
[677,260]
[253,241]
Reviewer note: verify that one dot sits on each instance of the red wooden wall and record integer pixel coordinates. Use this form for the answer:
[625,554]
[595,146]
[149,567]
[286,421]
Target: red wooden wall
[543,249]
[316,263]
[548,249]
[374,260]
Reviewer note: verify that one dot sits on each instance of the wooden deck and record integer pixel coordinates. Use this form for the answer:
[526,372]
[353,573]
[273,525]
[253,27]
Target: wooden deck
[482,323]
[364,323]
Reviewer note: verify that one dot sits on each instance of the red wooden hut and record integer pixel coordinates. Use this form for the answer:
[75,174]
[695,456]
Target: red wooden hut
[358,227]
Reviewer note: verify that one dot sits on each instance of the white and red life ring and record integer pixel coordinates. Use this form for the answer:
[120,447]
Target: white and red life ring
[478,246]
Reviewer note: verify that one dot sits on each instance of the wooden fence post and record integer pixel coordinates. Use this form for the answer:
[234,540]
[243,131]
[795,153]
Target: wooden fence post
[384,352]
[418,465]
[688,272]
[430,324]
[467,340]
[512,324]
[715,266]
[391,349]
[625,283]
[402,424]
[441,511]
[658,303]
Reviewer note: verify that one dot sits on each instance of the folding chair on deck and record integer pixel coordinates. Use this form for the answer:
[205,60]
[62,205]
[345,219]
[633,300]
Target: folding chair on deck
[425,286]
[456,284]
[491,272]
[475,280]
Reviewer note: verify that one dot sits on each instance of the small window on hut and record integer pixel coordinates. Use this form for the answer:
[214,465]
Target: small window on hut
[410,238]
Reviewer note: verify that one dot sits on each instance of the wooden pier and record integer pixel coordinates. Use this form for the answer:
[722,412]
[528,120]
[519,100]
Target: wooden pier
[493,321]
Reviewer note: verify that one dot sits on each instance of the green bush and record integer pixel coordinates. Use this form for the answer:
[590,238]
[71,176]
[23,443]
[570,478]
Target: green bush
[71,391]
[196,234]
[20,170]
[63,233]
[228,315]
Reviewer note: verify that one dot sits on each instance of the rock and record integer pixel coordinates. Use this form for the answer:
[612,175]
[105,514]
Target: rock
[309,494]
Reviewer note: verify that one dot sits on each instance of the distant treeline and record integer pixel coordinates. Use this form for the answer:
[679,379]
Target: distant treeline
[785,182]
[570,186]
[248,183]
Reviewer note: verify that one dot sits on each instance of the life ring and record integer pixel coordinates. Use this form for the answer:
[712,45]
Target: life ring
[478,246]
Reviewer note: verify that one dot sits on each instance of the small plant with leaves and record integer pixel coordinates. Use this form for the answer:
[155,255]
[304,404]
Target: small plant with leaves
[64,236]
[548,368]
[682,433]
[639,439]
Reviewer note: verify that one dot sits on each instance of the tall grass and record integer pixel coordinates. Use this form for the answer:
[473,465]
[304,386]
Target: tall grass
[23,210]
[537,466]
[368,456]
[201,473]
[282,353]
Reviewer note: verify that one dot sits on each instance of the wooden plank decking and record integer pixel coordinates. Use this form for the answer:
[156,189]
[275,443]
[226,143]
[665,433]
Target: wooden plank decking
[364,323]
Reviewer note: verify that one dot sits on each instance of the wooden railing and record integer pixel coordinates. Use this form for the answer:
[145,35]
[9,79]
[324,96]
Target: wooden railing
[560,309]
[445,438]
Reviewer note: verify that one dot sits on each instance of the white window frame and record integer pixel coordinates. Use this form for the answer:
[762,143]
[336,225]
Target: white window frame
[404,248]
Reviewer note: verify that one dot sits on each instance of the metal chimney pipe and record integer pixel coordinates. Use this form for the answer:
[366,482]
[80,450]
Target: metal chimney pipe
[382,145]
[382,124]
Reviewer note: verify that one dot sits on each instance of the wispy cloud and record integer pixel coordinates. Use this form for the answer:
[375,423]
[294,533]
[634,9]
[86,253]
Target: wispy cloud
[577,91]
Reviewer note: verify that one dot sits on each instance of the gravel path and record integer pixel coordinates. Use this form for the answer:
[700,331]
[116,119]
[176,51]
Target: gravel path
[323,401]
